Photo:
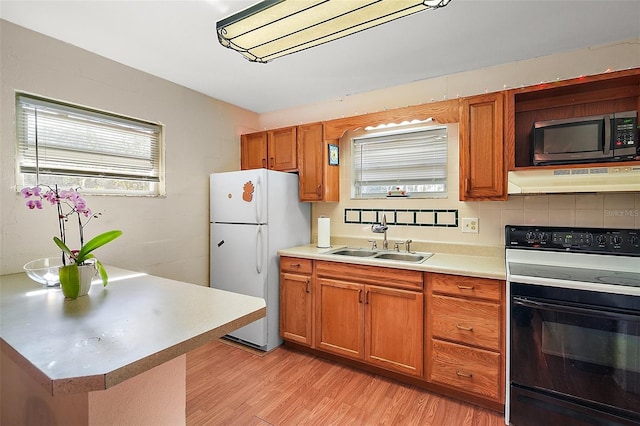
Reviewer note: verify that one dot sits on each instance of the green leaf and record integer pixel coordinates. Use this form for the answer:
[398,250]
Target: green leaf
[69,281]
[103,273]
[62,245]
[96,242]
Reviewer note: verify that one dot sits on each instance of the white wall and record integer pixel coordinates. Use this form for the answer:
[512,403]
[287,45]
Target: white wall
[167,236]
[596,210]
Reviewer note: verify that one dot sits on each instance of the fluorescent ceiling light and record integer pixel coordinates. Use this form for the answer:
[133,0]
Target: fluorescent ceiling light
[274,28]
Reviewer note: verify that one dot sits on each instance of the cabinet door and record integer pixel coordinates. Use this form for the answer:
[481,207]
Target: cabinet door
[253,151]
[482,169]
[282,150]
[295,308]
[340,318]
[311,162]
[393,329]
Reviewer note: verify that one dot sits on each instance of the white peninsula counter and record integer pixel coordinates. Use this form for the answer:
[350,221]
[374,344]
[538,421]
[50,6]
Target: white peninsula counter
[116,356]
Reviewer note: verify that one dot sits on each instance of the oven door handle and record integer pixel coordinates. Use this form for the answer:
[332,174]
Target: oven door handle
[570,309]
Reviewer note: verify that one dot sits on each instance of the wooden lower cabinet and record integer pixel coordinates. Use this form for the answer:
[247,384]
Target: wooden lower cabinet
[378,324]
[393,329]
[465,334]
[296,298]
[441,332]
[340,315]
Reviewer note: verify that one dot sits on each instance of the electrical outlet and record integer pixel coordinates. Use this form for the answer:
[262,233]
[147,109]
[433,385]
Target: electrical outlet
[470,225]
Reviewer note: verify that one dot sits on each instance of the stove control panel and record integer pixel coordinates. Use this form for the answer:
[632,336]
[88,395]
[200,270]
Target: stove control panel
[580,240]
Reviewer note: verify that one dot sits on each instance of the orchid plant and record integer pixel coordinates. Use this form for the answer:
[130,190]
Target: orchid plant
[70,203]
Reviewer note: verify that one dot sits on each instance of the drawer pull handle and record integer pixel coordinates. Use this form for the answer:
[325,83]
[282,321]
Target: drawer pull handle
[464,327]
[295,265]
[308,287]
[465,287]
[462,374]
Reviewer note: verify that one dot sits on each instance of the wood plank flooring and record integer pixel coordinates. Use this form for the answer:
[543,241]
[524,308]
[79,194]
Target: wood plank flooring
[227,385]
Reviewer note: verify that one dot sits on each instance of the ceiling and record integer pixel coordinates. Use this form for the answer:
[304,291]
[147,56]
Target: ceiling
[176,40]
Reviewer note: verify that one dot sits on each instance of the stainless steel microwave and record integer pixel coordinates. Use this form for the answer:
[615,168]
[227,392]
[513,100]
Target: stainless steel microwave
[594,139]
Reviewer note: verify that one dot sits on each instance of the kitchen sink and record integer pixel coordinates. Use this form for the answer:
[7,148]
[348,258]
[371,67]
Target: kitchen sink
[404,257]
[382,255]
[355,252]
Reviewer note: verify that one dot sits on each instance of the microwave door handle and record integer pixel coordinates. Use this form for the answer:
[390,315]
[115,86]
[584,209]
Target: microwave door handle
[607,135]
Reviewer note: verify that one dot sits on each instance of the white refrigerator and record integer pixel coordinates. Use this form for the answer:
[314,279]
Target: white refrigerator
[253,214]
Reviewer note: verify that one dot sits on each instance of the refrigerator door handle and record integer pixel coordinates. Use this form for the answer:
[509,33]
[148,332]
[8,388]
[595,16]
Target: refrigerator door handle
[259,249]
[258,200]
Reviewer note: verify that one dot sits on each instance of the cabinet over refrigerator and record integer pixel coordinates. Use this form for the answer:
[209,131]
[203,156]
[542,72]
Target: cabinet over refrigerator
[253,214]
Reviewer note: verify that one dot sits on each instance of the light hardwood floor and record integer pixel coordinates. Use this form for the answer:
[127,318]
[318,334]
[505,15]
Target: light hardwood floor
[231,386]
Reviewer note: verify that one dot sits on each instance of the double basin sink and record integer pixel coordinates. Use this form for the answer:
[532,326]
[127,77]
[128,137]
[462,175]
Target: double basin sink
[382,255]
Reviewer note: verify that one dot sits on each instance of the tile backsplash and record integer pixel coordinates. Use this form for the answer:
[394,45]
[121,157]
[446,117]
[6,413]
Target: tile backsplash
[403,217]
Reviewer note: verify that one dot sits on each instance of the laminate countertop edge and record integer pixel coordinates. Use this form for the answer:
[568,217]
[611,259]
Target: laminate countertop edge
[492,266]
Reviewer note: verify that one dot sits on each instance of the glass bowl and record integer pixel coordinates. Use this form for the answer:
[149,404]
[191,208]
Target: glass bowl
[44,271]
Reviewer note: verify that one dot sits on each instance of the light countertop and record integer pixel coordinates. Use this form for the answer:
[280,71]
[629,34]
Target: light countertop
[116,332]
[462,263]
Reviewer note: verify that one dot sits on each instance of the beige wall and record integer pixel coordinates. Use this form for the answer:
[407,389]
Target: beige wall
[166,236]
[598,210]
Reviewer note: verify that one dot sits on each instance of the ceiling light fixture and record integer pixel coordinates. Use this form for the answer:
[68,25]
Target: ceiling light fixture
[274,28]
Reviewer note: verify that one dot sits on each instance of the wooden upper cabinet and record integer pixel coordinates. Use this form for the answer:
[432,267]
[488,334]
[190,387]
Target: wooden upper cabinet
[253,151]
[274,150]
[482,168]
[282,150]
[319,181]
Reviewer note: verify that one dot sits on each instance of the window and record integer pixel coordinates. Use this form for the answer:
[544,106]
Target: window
[74,146]
[412,160]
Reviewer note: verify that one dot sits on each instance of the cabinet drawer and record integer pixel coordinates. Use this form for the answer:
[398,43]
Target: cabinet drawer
[471,370]
[468,321]
[457,285]
[296,264]
[377,275]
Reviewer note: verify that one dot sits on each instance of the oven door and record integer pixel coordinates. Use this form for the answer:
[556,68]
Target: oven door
[575,357]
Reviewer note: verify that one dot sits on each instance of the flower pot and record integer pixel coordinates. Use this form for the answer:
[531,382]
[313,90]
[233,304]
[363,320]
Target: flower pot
[75,280]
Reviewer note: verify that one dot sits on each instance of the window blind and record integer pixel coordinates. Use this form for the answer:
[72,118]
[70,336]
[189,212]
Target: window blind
[414,161]
[56,140]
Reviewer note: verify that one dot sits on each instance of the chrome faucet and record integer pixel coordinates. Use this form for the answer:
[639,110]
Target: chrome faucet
[382,229]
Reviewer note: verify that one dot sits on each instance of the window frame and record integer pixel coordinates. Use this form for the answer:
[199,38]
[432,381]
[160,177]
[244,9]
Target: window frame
[101,152]
[403,133]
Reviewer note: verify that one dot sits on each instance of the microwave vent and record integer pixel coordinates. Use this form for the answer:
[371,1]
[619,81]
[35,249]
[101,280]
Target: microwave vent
[564,172]
[599,171]
[580,171]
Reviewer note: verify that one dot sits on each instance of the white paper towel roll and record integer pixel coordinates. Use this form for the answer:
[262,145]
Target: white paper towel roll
[324,232]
